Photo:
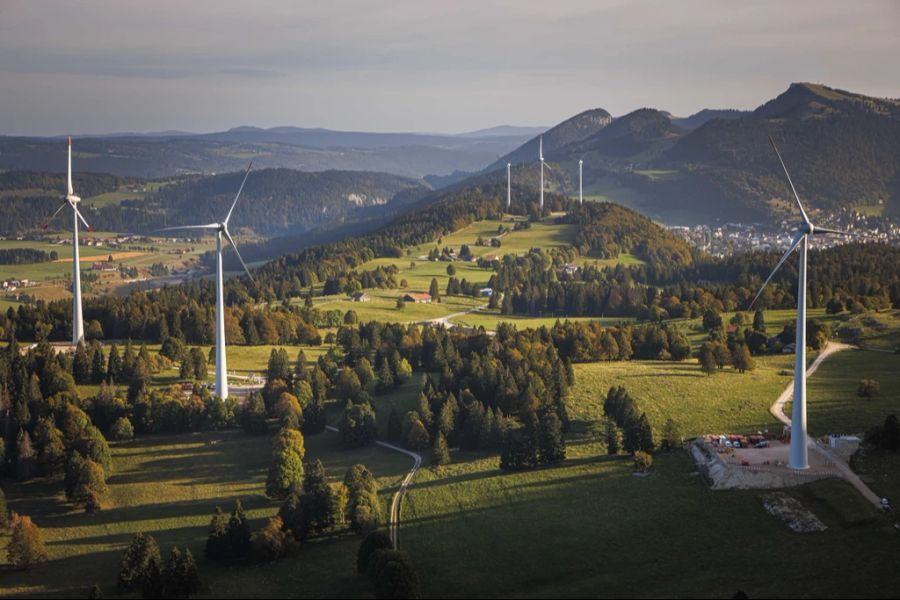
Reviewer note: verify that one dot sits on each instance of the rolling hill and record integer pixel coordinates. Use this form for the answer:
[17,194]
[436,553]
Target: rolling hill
[843,150]
[275,202]
[168,154]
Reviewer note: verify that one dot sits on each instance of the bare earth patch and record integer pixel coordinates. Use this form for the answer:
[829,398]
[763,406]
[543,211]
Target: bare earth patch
[796,516]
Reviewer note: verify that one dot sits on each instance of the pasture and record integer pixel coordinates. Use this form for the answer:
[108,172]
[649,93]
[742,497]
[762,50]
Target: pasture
[169,486]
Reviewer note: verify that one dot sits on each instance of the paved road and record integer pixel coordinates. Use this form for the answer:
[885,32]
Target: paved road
[397,502]
[777,410]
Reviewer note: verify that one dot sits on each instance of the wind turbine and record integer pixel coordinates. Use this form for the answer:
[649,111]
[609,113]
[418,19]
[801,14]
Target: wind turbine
[541,155]
[580,187]
[508,186]
[71,200]
[799,458]
[221,230]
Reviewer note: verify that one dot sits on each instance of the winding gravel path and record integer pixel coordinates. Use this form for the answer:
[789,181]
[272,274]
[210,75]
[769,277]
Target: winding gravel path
[777,409]
[397,502]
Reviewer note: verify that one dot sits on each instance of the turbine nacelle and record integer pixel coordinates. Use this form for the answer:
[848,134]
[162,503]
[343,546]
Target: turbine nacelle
[221,227]
[806,227]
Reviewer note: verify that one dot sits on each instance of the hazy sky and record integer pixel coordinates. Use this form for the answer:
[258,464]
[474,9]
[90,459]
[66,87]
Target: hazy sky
[421,65]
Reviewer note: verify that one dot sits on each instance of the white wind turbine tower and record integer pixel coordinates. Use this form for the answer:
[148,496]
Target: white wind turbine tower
[541,155]
[580,178]
[508,186]
[221,230]
[71,200]
[798,454]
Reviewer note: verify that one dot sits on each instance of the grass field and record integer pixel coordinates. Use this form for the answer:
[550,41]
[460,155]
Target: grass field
[727,401]
[169,486]
[383,306]
[589,528]
[832,403]
[52,278]
[489,319]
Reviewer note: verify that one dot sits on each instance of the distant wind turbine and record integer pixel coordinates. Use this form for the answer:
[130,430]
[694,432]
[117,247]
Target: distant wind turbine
[541,155]
[71,200]
[508,186]
[580,187]
[799,458]
[221,230]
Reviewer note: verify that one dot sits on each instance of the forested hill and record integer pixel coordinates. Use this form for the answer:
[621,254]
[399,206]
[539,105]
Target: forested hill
[570,131]
[279,201]
[604,231]
[274,201]
[843,150]
[28,198]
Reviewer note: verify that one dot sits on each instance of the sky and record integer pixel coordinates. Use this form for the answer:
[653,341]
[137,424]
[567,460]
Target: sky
[126,65]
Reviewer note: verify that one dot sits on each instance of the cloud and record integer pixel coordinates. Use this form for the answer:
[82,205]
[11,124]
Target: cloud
[202,65]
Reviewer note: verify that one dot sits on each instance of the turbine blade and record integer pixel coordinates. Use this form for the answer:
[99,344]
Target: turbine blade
[233,204]
[78,214]
[790,181]
[794,243]
[53,216]
[817,230]
[207,226]
[236,251]
[69,188]
[541,148]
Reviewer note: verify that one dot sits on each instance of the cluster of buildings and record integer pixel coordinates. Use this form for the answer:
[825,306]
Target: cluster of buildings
[734,238]
[11,285]
[98,242]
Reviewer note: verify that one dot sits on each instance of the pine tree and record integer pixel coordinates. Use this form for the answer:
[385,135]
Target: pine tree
[551,443]
[707,358]
[447,417]
[759,321]
[26,461]
[518,451]
[434,290]
[612,437]
[113,365]
[136,566]
[91,490]
[424,410]
[218,546]
[98,365]
[440,453]
[385,376]
[239,531]
[81,365]
[315,502]
[416,436]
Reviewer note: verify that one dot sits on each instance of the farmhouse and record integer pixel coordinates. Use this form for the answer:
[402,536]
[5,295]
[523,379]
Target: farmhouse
[103,266]
[360,297]
[416,297]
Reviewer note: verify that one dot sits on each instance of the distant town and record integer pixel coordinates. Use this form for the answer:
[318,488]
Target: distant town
[736,238]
